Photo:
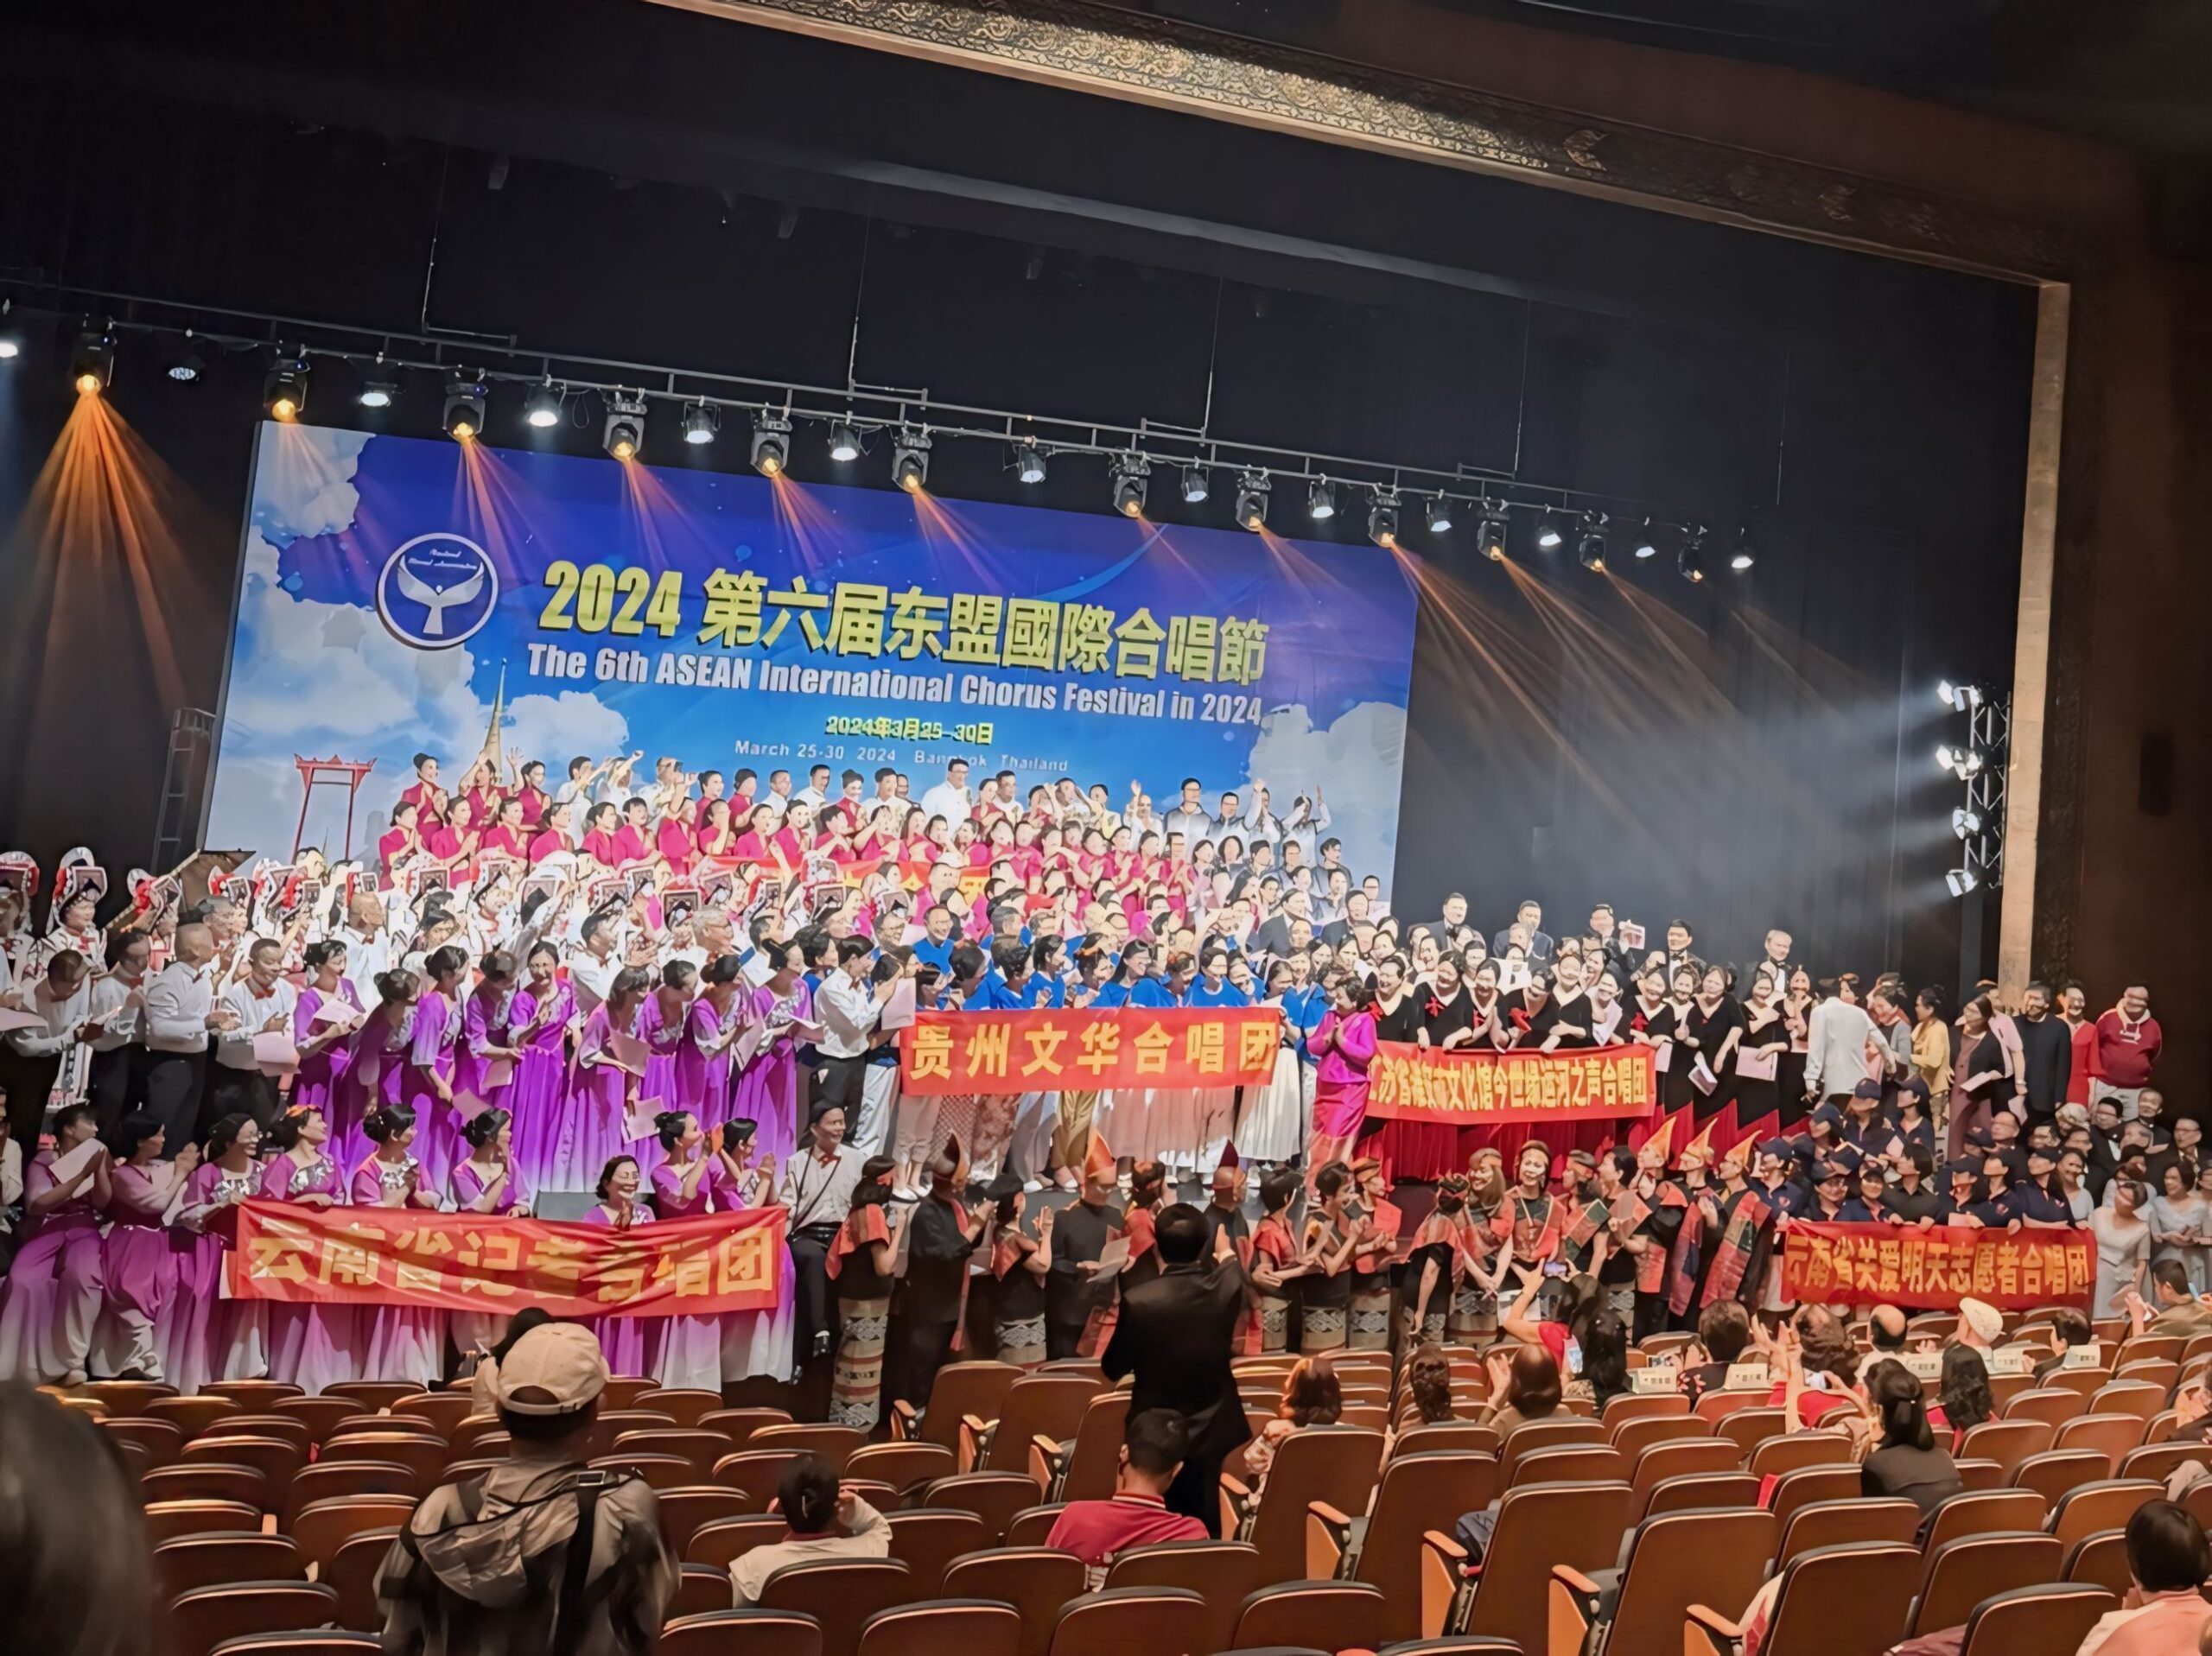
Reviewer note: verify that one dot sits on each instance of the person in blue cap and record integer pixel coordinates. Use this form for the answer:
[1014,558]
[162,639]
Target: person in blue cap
[2036,1200]
[1831,1191]
[1864,1130]
[1871,1205]
[1961,1188]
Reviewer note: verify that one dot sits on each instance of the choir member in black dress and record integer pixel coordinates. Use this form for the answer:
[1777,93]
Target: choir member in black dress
[1672,1026]
[1759,1060]
[1080,1232]
[1796,1005]
[933,1293]
[1716,1026]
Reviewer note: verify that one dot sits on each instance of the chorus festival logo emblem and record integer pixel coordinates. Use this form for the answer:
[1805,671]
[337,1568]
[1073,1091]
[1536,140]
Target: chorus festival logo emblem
[436,590]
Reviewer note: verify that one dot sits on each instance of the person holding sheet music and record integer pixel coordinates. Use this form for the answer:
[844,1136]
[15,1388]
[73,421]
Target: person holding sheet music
[1984,1077]
[50,1303]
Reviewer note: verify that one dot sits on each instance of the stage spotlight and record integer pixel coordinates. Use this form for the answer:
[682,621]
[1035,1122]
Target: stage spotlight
[1029,462]
[11,347]
[463,417]
[188,359]
[1946,693]
[1593,542]
[284,392]
[1965,823]
[1969,763]
[1321,500]
[1382,520]
[1965,698]
[1549,533]
[378,393]
[542,408]
[1494,525]
[624,432]
[1960,881]
[1439,514]
[1647,540]
[1689,562]
[909,460]
[92,365]
[844,442]
[1745,553]
[1197,484]
[1132,478]
[1252,500]
[700,425]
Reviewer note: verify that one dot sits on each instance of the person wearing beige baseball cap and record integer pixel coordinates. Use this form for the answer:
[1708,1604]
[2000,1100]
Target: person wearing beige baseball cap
[1981,1324]
[542,1552]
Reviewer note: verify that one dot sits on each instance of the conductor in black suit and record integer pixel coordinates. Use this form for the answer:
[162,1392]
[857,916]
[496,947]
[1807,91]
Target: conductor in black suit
[1176,1335]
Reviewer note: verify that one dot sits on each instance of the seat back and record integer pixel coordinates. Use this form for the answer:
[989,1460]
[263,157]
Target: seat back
[722,1541]
[1649,1406]
[1685,1558]
[1318,1615]
[327,1480]
[1533,1437]
[442,1410]
[203,1618]
[1223,1573]
[1455,1435]
[2138,1398]
[1776,1455]
[1036,1581]
[425,1454]
[1979,1512]
[207,1480]
[839,1593]
[1633,1436]
[352,1574]
[2006,1441]
[903,1466]
[1164,1621]
[1579,1524]
[1697,1491]
[323,1526]
[1093,1461]
[701,1450]
[685,1508]
[742,1632]
[190,1415]
[2107,1505]
[738,1425]
[1811,1484]
[995,1497]
[972,1626]
[2100,1560]
[1843,1601]
[926,1538]
[1051,1404]
[2052,1473]
[1749,1428]
[1573,1463]
[1031,1525]
[1418,1493]
[224,1557]
[162,1440]
[2054,1406]
[1859,1521]
[834,1444]
[685,1405]
[275,1458]
[1962,1573]
[373,1395]
[754,1473]
[1683,1457]
[1335,1464]
[2049,1620]
[2111,1436]
[2157,1460]
[167,1519]
[961,1390]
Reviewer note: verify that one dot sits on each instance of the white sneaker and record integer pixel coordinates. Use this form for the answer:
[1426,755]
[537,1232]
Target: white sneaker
[1030,1187]
[905,1193]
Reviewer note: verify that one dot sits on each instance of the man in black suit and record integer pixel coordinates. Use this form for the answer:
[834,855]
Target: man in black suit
[1176,1335]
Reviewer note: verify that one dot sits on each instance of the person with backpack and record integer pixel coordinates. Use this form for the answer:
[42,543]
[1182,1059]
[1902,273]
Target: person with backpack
[543,1555]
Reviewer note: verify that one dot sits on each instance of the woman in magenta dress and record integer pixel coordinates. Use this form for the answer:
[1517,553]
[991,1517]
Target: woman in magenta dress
[537,1097]
[696,1176]
[205,1337]
[136,1263]
[767,1090]
[622,1338]
[375,1075]
[397,1342]
[1344,1046]
[309,1346]
[486,1182]
[713,1026]
[663,1018]
[487,1033]
[431,1051]
[602,1086]
[325,1048]
[51,1300]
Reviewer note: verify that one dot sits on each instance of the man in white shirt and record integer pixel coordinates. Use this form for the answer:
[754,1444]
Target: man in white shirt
[778,797]
[262,1004]
[1188,816]
[593,969]
[819,1180]
[951,798]
[1835,1049]
[849,1009]
[118,1011]
[825,1523]
[817,791]
[370,949]
[180,1011]
[62,1000]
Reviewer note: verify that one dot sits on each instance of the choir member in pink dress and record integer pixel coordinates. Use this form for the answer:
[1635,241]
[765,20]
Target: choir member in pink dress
[375,1075]
[205,1337]
[714,1024]
[698,1177]
[662,1019]
[622,1338]
[309,1346]
[397,1342]
[486,1182]
[603,1085]
[136,1262]
[767,1090]
[1344,1045]
[325,1050]
[537,1097]
[51,1300]
[487,1032]
[435,1038]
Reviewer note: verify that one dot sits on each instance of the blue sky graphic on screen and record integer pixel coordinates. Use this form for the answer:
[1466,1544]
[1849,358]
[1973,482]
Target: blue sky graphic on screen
[388,583]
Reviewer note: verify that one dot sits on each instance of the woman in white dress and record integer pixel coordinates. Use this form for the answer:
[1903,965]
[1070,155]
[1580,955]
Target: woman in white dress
[2123,1248]
[2179,1221]
[1272,1130]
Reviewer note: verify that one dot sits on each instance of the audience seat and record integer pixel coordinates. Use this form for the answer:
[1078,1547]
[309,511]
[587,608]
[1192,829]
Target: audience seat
[2100,1560]
[742,1632]
[1579,1524]
[967,1627]
[1698,1489]
[721,1542]
[1037,1581]
[683,1510]
[995,1497]
[1842,1601]
[2052,1473]
[2089,1507]
[1981,1512]
[1960,1573]
[220,1557]
[904,1465]
[1121,1620]
[1223,1573]
[1336,1465]
[203,1618]
[927,1538]
[1083,1467]
[1417,1493]
[1332,1614]
[2050,1619]
[1670,1562]
[1047,1405]
[840,1593]
[2112,1436]
[352,1572]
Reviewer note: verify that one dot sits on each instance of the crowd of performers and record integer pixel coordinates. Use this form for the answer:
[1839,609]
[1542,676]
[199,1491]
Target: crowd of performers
[623,1026]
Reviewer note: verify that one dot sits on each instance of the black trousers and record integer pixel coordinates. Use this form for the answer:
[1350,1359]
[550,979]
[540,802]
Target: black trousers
[840,1083]
[237,1092]
[1063,1340]
[30,1085]
[111,1083]
[1196,1492]
[174,1082]
[811,1280]
[919,1352]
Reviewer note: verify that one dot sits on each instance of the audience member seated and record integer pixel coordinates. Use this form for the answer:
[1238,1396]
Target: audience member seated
[1429,1382]
[1819,1368]
[2176,1311]
[1904,1459]
[1723,1329]
[1136,1515]
[826,1522]
[1963,1400]
[1523,1387]
[1312,1396]
[2068,1328]
[2164,1612]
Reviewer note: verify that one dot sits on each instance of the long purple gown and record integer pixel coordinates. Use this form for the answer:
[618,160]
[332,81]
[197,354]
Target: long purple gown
[319,1082]
[140,1273]
[397,1341]
[488,1018]
[622,1338]
[538,1095]
[767,1090]
[311,1346]
[482,1329]
[591,1133]
[687,1351]
[702,1082]
[51,1300]
[664,1039]
[430,1051]
[374,1077]
[204,1336]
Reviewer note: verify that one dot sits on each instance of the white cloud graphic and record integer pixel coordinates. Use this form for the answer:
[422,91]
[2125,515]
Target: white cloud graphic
[1357,762]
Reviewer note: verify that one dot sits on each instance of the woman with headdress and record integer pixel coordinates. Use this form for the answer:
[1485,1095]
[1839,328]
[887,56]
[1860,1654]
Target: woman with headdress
[1380,1221]
[1332,1235]
[1276,1262]
[1019,1265]
[1487,1254]
[309,1346]
[861,1265]
[942,1235]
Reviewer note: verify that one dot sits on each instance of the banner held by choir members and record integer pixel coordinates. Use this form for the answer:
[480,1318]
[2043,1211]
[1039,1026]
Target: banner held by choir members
[1467,1088]
[1046,1052]
[1935,1269]
[470,1262]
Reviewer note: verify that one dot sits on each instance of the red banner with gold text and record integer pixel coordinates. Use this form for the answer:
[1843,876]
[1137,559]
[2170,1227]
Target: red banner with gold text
[1468,1088]
[1935,1269]
[1079,1050]
[470,1262]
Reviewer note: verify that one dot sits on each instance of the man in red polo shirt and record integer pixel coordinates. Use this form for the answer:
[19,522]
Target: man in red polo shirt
[2125,1049]
[1152,1446]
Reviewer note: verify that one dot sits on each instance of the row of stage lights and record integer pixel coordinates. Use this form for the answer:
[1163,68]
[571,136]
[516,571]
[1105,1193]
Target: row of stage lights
[545,405]
[1979,763]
